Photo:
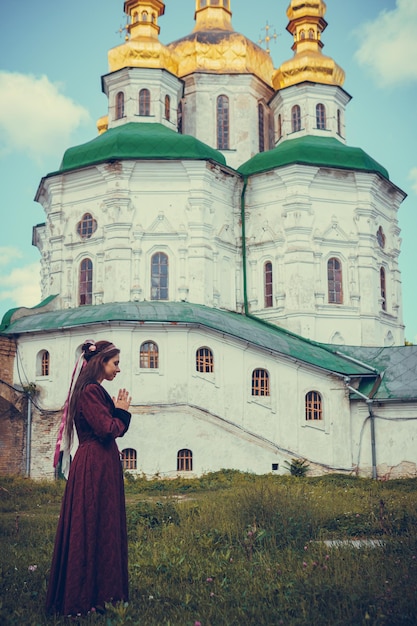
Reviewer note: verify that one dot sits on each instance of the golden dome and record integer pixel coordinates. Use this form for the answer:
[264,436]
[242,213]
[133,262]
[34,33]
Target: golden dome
[102,124]
[142,47]
[308,63]
[213,46]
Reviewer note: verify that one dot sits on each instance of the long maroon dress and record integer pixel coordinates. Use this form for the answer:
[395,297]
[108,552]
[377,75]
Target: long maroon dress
[89,564]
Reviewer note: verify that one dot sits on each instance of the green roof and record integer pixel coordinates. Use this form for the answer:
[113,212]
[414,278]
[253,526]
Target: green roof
[136,140]
[398,365]
[244,328]
[7,317]
[312,150]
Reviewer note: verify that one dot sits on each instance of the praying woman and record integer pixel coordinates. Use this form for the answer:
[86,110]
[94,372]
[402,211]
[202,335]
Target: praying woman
[89,563]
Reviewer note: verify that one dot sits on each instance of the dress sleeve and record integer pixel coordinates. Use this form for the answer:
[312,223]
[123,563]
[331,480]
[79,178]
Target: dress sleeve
[102,416]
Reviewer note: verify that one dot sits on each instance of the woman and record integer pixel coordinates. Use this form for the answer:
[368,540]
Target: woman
[89,564]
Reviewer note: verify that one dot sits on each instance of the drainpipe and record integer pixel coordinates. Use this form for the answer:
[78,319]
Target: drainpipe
[28,436]
[242,219]
[369,403]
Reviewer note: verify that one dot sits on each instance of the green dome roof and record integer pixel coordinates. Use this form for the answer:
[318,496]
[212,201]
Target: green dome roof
[312,150]
[138,141]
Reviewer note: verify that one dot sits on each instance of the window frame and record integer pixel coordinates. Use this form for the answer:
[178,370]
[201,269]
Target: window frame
[159,277]
[339,122]
[321,122]
[334,281]
[223,122]
[144,101]
[204,361]
[185,460]
[260,382]
[167,107]
[313,407]
[87,226]
[85,285]
[383,287]
[261,127]
[120,105]
[295,118]
[268,278]
[43,364]
[149,359]
[129,459]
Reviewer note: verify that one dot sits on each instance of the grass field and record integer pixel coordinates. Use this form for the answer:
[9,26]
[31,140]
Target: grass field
[232,549]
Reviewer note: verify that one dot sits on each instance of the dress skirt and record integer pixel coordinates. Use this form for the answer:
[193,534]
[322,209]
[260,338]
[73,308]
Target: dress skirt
[89,564]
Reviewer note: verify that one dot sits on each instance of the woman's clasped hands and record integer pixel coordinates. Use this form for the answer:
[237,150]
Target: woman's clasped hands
[123,400]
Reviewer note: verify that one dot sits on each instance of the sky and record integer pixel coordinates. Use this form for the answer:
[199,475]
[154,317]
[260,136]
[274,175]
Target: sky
[54,52]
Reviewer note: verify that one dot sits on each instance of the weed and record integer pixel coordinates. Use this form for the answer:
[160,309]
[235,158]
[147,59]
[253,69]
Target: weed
[231,549]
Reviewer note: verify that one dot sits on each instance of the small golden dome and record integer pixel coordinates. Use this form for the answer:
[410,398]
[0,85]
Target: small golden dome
[142,47]
[308,63]
[213,46]
[102,124]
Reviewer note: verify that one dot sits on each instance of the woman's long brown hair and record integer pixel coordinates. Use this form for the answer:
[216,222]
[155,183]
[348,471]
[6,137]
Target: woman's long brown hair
[91,373]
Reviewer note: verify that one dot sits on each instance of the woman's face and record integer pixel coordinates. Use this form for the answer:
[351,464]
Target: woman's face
[111,368]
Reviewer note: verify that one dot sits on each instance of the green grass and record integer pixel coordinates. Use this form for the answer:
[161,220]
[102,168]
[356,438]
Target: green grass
[232,549]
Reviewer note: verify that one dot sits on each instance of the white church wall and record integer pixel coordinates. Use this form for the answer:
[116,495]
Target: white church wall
[244,92]
[190,216]
[395,439]
[210,407]
[307,217]
[307,95]
[130,81]
[175,407]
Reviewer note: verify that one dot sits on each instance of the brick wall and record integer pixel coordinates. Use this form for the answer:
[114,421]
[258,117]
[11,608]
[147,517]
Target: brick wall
[13,410]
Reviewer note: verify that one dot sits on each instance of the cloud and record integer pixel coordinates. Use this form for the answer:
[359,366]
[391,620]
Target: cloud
[413,177]
[389,44]
[22,285]
[8,254]
[36,118]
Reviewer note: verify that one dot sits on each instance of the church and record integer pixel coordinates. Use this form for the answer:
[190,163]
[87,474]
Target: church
[244,258]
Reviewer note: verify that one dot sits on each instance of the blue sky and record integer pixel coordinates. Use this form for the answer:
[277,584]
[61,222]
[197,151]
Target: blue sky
[53,54]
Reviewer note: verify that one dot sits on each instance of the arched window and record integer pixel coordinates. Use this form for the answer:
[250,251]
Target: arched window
[149,355]
[296,118]
[223,123]
[180,118]
[144,102]
[86,282]
[129,459]
[144,16]
[321,116]
[42,363]
[279,126]
[159,276]
[120,105]
[339,122]
[302,35]
[383,288]
[380,237]
[204,360]
[334,281]
[314,406]
[268,299]
[311,33]
[167,107]
[260,382]
[135,17]
[261,127]
[86,226]
[184,461]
